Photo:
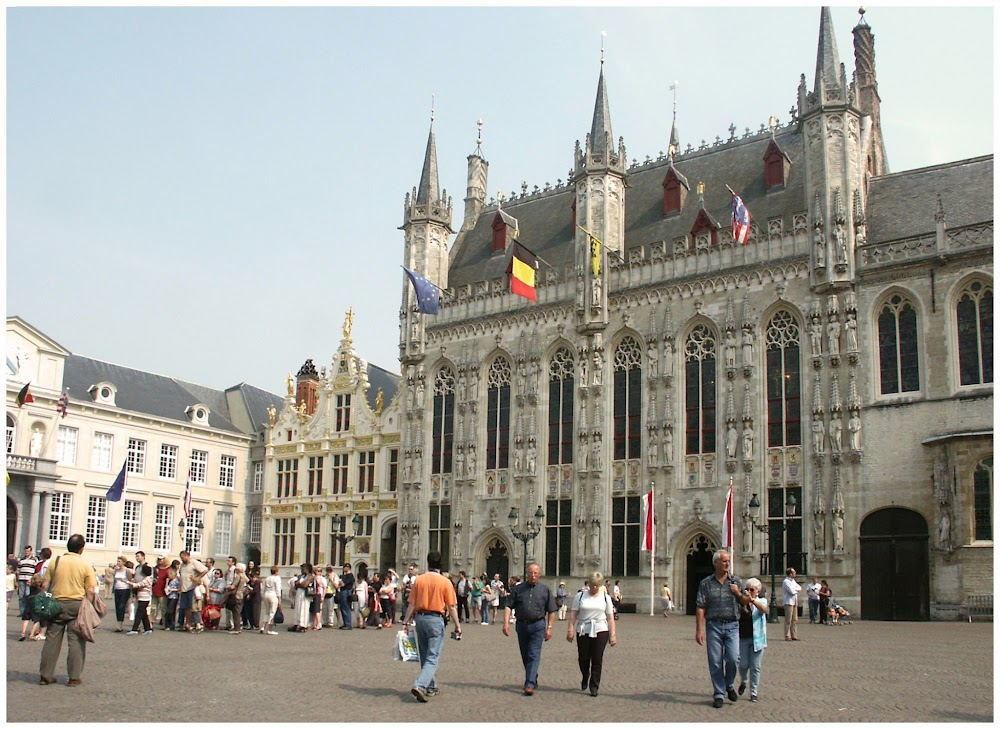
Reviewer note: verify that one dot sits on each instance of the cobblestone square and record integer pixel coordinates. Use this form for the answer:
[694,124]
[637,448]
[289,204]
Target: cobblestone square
[874,671]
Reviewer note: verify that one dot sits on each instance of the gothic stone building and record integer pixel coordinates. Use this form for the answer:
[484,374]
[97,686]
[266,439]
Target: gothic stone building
[836,369]
[332,467]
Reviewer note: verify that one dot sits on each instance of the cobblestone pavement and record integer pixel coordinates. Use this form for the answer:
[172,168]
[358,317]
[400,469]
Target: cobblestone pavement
[875,671]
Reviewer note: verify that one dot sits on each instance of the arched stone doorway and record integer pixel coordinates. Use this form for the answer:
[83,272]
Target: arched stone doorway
[895,566]
[699,566]
[11,527]
[497,559]
[387,549]
[253,555]
[361,571]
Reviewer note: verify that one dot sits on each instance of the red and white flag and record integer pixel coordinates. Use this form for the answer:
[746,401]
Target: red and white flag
[741,220]
[646,519]
[727,520]
[187,498]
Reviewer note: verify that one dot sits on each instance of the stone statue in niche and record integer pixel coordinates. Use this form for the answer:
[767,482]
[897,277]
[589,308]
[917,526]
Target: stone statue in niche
[668,445]
[596,292]
[731,438]
[35,446]
[816,337]
[595,535]
[652,356]
[818,532]
[820,248]
[461,387]
[817,433]
[668,358]
[418,466]
[730,349]
[598,368]
[944,531]
[518,449]
[470,462]
[408,467]
[460,462]
[841,236]
[747,533]
[851,325]
[415,330]
[595,454]
[747,347]
[532,458]
[581,539]
[836,427]
[833,334]
[581,455]
[854,428]
[473,386]
[747,441]
[654,451]
[838,531]
[583,371]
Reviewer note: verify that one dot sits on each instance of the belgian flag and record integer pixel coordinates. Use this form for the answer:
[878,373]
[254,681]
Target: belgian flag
[523,265]
[24,396]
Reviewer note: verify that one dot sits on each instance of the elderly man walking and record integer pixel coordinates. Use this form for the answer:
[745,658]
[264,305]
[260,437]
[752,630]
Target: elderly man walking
[536,608]
[432,598]
[71,581]
[717,626]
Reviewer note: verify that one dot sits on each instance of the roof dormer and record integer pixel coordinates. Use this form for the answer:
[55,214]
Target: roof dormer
[675,190]
[504,230]
[777,165]
[103,393]
[705,230]
[198,413]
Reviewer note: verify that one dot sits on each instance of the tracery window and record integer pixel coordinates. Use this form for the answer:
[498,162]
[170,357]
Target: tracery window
[982,484]
[561,372]
[899,369]
[498,414]
[700,390]
[443,432]
[784,385]
[975,334]
[628,399]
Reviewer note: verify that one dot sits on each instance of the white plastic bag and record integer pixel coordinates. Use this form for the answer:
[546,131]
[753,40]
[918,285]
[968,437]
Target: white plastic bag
[405,647]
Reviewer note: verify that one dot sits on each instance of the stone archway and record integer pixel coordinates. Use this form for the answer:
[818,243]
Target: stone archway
[895,566]
[497,560]
[698,566]
[387,548]
[492,545]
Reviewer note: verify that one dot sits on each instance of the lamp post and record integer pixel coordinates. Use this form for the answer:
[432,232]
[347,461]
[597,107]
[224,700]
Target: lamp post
[533,529]
[772,529]
[340,525]
[181,526]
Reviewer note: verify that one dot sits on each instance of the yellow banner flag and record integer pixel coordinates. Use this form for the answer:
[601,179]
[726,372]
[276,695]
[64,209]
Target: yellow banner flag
[595,255]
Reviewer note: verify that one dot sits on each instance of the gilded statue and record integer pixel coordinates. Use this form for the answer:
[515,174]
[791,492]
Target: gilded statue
[348,323]
[290,381]
[271,413]
[379,401]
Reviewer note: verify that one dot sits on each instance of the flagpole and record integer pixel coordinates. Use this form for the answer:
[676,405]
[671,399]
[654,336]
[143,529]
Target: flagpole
[443,291]
[542,260]
[652,550]
[616,254]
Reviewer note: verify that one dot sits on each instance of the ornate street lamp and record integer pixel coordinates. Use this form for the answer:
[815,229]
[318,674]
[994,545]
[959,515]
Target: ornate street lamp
[533,529]
[187,542]
[339,525]
[772,529]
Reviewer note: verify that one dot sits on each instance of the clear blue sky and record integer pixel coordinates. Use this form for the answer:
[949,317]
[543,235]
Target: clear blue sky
[204,192]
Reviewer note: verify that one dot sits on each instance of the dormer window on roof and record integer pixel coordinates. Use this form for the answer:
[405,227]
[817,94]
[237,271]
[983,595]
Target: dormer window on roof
[705,228]
[675,190]
[776,167]
[504,230]
[103,393]
[197,413]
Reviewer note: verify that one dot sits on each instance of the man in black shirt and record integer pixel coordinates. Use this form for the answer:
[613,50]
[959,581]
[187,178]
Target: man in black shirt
[536,608]
[344,598]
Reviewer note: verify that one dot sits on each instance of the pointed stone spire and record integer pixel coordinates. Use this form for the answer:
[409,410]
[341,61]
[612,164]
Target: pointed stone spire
[730,405]
[827,57]
[835,402]
[674,146]
[730,313]
[853,400]
[668,323]
[747,412]
[818,394]
[601,138]
[428,191]
[747,312]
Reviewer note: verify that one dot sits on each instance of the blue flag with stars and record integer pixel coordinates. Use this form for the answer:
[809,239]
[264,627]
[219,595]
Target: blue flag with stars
[118,487]
[428,301]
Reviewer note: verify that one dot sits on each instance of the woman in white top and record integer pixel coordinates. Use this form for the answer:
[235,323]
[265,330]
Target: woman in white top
[361,590]
[589,621]
[272,599]
[122,592]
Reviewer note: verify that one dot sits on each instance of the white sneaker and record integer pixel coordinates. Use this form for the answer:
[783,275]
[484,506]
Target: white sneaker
[272,632]
[132,632]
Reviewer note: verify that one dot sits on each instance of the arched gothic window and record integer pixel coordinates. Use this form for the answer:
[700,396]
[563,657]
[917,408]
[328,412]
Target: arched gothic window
[498,414]
[628,399]
[899,368]
[784,384]
[700,390]
[975,334]
[443,428]
[561,370]
[982,484]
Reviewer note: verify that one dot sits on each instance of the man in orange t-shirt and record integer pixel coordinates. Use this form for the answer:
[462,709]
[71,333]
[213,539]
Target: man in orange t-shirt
[431,598]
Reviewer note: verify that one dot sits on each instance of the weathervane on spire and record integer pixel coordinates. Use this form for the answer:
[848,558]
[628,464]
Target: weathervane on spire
[674,144]
[432,109]
[604,34]
[772,124]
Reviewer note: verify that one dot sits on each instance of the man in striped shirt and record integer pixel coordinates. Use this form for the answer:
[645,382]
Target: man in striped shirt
[25,571]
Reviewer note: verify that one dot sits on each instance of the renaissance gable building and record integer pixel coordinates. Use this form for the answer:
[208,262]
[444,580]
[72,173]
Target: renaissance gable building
[836,369]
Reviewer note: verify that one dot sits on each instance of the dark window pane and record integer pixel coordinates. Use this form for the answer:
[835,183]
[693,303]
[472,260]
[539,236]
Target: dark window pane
[888,364]
[908,361]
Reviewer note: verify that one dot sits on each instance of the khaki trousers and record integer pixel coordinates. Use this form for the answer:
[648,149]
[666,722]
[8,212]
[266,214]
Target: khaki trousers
[54,639]
[791,621]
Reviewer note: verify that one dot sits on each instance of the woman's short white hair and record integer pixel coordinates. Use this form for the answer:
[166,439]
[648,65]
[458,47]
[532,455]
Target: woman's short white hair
[752,584]
[241,566]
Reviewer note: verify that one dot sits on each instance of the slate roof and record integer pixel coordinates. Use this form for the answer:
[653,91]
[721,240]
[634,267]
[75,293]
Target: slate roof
[388,381]
[546,220]
[161,396]
[903,205]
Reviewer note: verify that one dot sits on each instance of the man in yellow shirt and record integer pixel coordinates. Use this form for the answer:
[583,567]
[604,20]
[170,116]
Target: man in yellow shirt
[70,580]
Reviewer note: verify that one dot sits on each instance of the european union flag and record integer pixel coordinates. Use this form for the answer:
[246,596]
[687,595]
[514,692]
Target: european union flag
[118,487]
[428,301]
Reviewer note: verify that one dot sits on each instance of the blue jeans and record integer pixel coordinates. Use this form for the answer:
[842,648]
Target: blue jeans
[813,610]
[723,642]
[750,662]
[344,601]
[430,640]
[530,637]
[23,590]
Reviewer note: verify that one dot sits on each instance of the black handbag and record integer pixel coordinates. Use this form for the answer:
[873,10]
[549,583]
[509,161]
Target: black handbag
[279,616]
